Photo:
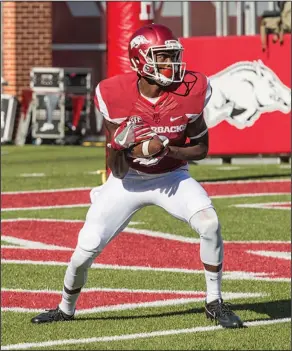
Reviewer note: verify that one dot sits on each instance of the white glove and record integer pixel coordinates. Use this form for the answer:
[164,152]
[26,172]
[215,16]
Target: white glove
[152,161]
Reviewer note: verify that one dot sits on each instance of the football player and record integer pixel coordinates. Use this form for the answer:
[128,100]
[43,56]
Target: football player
[159,98]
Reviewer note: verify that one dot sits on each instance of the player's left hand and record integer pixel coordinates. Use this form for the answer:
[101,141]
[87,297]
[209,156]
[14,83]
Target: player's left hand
[152,161]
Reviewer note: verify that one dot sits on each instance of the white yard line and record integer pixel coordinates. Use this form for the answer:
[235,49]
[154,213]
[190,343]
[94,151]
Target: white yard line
[275,254]
[148,291]
[30,244]
[42,207]
[88,204]
[248,195]
[211,182]
[146,232]
[43,220]
[118,307]
[162,235]
[226,295]
[228,168]
[131,306]
[180,238]
[231,275]
[30,175]
[12,247]
[266,205]
[247,181]
[134,336]
[43,191]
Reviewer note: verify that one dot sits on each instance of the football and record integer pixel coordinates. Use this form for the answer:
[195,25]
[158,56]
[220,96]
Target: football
[147,148]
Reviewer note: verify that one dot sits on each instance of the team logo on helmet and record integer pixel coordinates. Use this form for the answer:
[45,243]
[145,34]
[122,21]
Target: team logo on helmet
[137,41]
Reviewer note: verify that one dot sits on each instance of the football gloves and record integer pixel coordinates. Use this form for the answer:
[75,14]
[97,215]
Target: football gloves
[130,133]
[152,161]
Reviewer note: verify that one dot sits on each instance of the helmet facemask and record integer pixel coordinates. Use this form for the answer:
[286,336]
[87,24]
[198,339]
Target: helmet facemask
[164,73]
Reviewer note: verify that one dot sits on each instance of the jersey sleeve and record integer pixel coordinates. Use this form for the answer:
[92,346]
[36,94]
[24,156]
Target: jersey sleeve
[200,128]
[100,102]
[202,95]
[103,104]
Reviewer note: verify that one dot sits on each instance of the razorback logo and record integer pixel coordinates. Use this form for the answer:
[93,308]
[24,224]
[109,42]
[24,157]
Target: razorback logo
[44,242]
[139,40]
[246,259]
[242,92]
[40,243]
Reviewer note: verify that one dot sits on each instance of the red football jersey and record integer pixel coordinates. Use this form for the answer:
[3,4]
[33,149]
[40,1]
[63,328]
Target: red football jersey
[118,98]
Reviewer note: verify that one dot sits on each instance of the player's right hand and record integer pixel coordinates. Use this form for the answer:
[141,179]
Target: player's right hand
[130,133]
[152,161]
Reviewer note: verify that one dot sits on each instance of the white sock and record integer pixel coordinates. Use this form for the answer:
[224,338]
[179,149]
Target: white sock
[213,284]
[68,303]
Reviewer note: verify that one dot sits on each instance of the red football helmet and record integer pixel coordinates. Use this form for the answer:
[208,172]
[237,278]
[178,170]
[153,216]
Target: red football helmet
[146,43]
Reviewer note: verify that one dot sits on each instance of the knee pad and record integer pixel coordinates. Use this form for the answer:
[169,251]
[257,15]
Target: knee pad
[206,224]
[90,237]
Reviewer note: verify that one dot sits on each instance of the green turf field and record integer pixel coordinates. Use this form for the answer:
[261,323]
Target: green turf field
[256,280]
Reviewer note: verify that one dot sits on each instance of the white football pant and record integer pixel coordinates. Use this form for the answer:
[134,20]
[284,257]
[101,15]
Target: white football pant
[115,202]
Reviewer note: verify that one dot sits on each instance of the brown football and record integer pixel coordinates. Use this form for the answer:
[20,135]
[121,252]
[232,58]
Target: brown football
[147,148]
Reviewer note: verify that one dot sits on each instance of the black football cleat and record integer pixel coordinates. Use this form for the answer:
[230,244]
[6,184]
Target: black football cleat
[220,312]
[52,316]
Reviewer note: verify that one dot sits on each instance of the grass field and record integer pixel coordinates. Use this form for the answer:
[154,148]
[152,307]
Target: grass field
[146,290]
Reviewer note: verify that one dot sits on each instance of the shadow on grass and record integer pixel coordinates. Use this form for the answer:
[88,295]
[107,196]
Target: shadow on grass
[274,309]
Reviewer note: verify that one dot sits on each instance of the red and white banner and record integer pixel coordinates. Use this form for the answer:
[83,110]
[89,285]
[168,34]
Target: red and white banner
[249,112]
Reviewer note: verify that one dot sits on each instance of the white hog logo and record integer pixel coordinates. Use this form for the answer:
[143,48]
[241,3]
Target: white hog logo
[139,40]
[242,92]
